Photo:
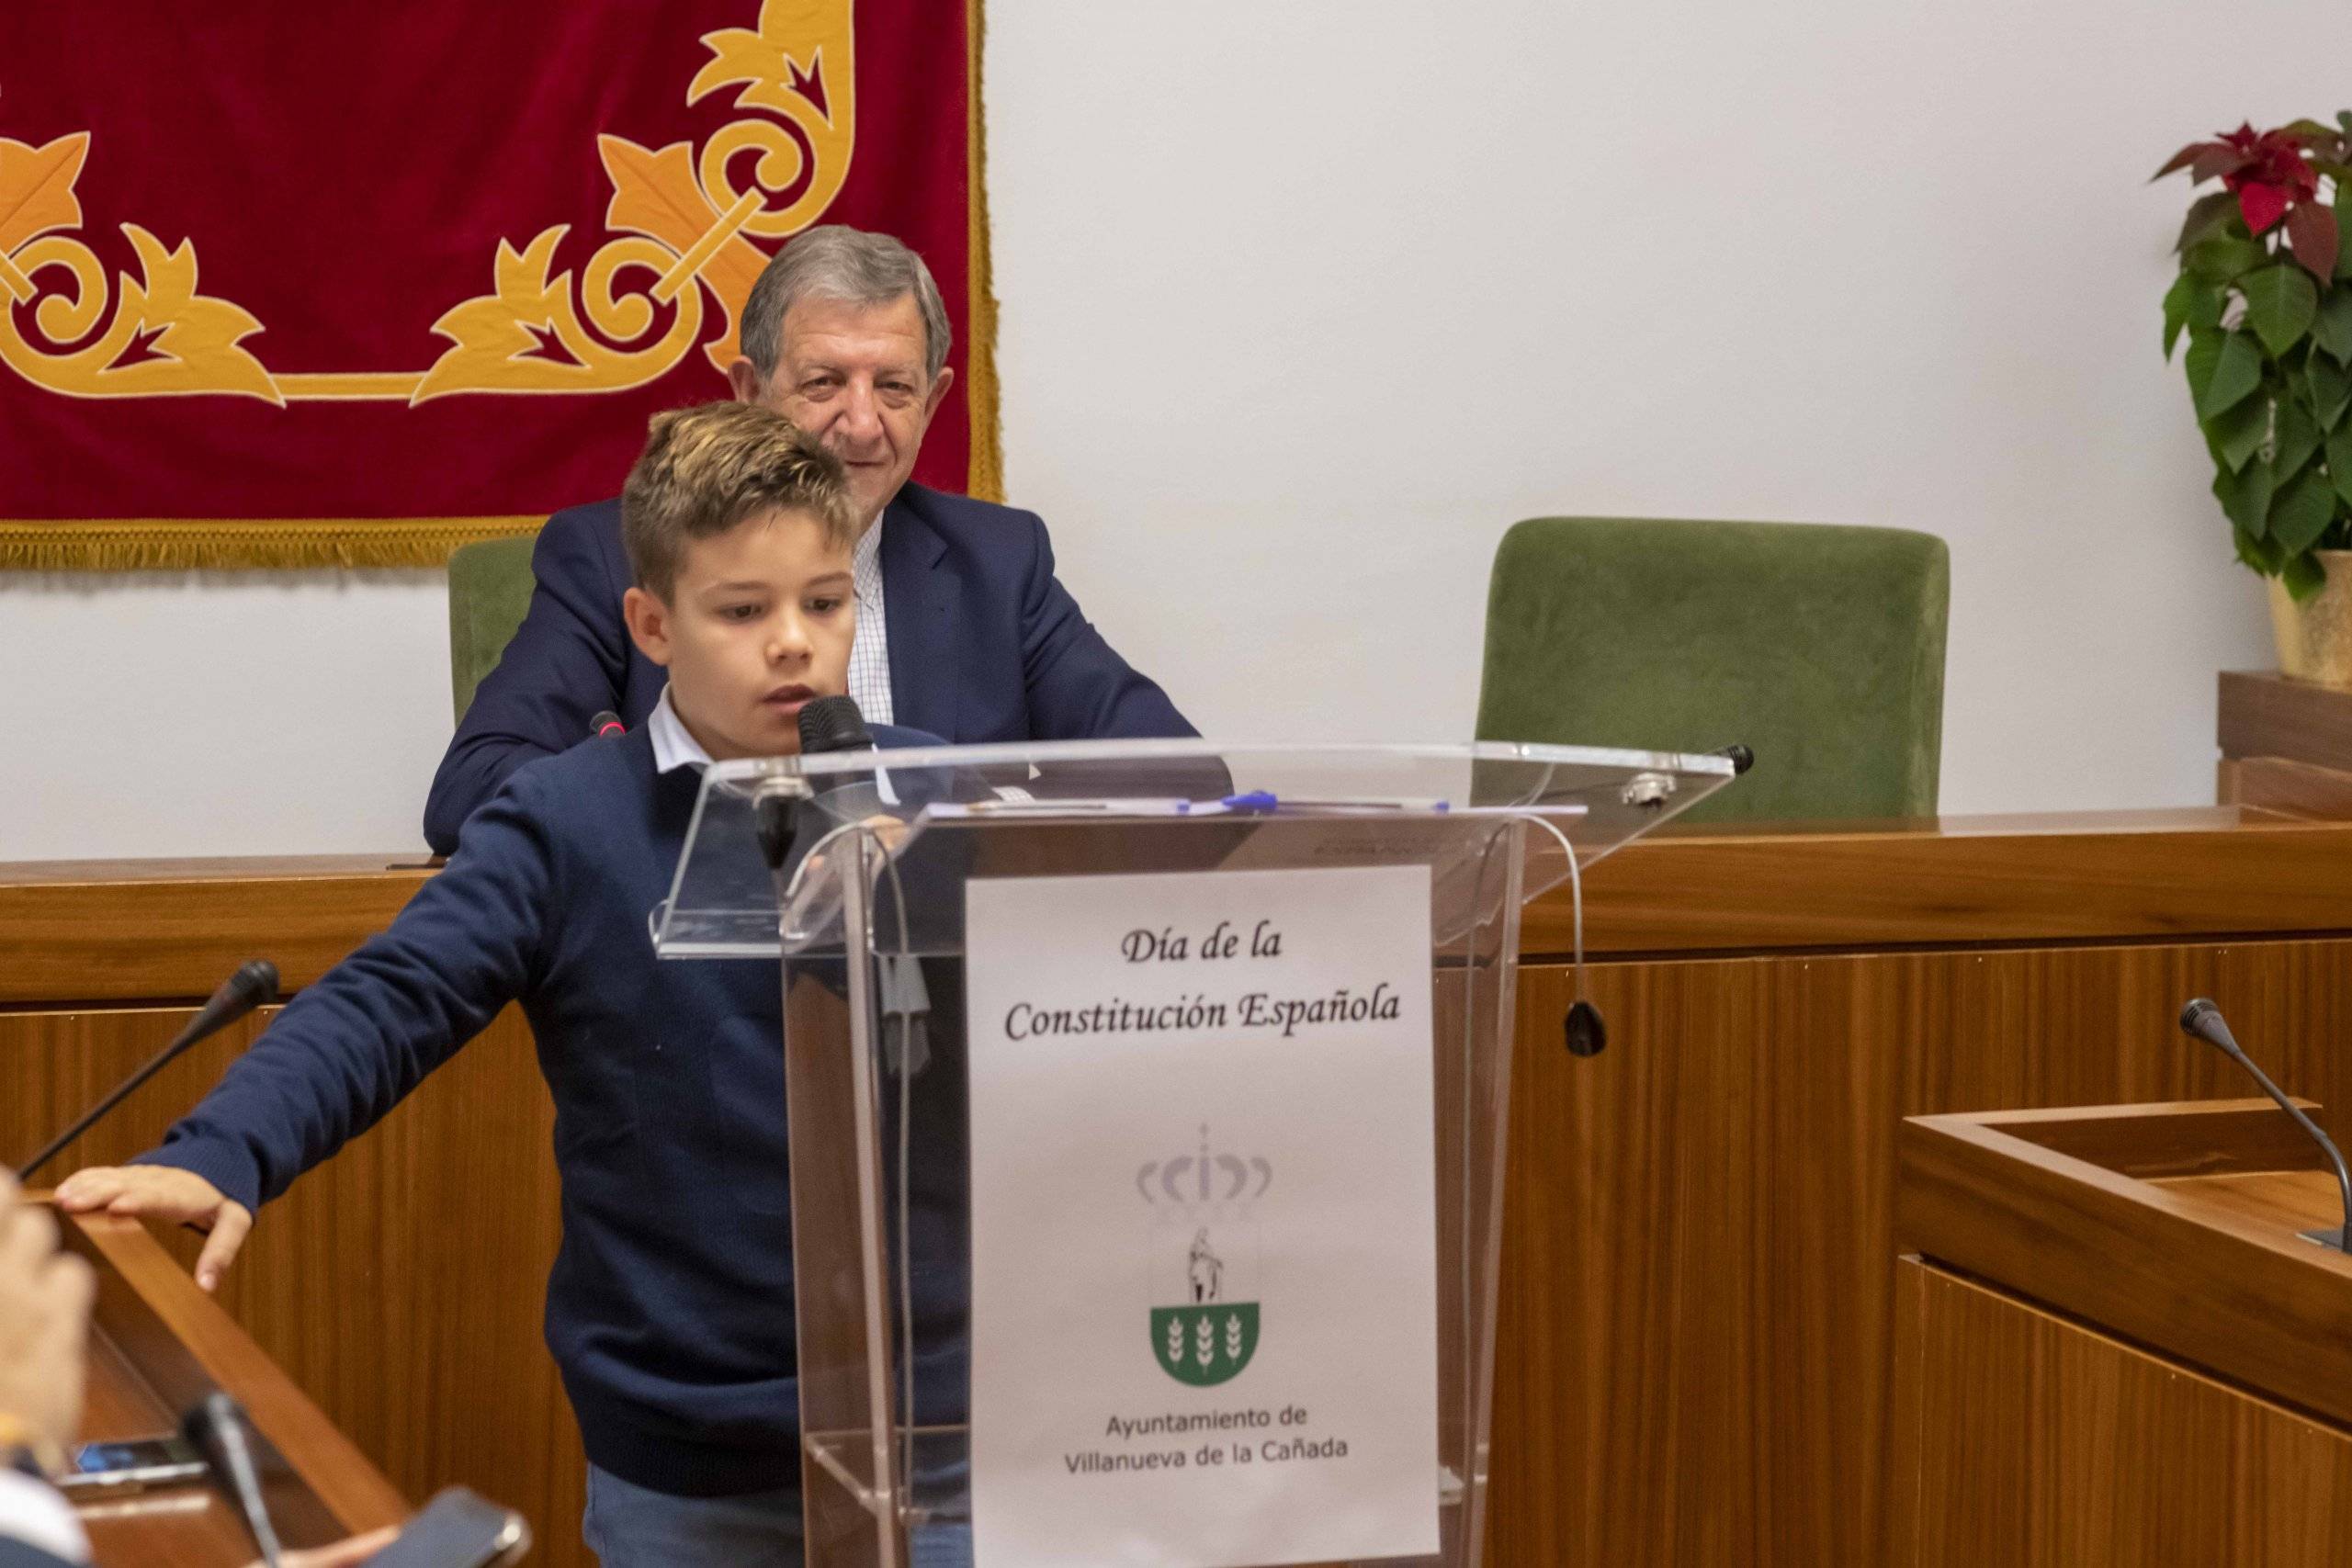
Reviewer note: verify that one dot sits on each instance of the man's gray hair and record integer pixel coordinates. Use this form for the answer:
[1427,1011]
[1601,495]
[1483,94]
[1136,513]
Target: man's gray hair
[836,262]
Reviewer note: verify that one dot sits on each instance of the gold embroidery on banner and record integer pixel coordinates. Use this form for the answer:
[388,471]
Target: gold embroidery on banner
[683,222]
[178,341]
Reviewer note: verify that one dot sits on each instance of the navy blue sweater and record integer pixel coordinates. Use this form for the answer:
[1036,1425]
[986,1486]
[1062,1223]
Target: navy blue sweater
[670,1310]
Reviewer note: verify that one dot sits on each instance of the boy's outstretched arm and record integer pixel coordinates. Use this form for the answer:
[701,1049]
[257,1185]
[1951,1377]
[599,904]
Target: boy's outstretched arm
[351,1044]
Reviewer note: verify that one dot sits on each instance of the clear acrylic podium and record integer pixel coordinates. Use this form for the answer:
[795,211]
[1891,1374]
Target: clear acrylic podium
[867,915]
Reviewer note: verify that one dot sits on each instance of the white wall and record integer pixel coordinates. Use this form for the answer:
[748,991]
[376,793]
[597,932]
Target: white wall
[1305,300]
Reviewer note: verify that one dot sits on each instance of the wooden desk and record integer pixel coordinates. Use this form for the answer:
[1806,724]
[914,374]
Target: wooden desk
[157,1345]
[2114,1349]
[2286,744]
[1699,1284]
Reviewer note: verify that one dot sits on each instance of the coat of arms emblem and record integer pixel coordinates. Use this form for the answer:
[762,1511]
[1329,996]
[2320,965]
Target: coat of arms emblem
[1205,1328]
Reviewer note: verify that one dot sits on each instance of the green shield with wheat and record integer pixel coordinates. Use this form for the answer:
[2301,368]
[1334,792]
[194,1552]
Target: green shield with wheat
[1205,1344]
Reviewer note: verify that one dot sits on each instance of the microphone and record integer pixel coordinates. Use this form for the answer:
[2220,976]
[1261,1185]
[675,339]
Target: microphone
[827,724]
[2201,1020]
[216,1425]
[607,725]
[1742,758]
[253,985]
[834,724]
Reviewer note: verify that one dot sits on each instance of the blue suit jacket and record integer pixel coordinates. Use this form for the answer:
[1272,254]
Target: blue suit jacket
[985,646]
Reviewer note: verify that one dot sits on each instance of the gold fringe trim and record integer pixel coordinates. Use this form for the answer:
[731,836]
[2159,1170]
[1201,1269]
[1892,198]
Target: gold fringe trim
[987,469]
[207,545]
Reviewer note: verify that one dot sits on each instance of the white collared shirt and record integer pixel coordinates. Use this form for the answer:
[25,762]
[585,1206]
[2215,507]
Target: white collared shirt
[33,1514]
[674,746]
[869,655]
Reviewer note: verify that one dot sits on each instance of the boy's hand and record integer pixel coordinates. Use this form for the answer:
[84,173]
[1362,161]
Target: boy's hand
[45,1314]
[162,1192]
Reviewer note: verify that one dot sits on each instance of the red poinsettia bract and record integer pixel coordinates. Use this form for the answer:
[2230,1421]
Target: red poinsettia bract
[2270,174]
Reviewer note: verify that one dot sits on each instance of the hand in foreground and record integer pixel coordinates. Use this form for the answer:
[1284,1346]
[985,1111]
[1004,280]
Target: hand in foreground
[162,1192]
[342,1554]
[44,1320]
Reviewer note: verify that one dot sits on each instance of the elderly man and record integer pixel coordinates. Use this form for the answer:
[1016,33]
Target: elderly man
[962,628]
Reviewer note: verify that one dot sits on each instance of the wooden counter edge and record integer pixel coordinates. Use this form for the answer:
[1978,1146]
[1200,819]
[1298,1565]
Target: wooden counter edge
[2251,1303]
[146,1297]
[166,931]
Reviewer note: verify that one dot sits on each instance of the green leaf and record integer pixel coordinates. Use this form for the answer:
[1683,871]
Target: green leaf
[2177,309]
[2301,513]
[2332,327]
[2205,306]
[2303,577]
[2237,370]
[2219,260]
[2260,554]
[2294,438]
[2208,218]
[2279,304]
[2245,497]
[2328,388]
[2204,353]
[2193,303]
[2339,462]
[2237,433]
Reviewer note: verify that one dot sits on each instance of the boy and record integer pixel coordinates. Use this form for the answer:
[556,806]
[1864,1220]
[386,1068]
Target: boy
[670,1307]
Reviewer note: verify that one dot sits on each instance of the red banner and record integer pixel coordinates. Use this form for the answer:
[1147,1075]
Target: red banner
[352,282]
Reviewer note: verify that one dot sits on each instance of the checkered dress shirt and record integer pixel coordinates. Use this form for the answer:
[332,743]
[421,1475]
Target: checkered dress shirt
[869,655]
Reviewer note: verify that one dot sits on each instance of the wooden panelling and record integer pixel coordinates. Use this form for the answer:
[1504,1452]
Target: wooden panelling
[2197,1138]
[1698,1249]
[2243,1296]
[157,1345]
[2038,1443]
[176,929]
[2285,786]
[2263,714]
[161,1346]
[400,1284]
[160,929]
[2064,880]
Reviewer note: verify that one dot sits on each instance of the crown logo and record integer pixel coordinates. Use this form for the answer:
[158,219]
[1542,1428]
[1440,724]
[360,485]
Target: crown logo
[1203,1181]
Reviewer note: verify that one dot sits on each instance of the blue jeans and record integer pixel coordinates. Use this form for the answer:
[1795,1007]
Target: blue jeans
[628,1526]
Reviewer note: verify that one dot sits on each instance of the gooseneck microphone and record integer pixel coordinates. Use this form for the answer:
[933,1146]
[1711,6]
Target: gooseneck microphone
[216,1425]
[2201,1020]
[253,985]
[607,725]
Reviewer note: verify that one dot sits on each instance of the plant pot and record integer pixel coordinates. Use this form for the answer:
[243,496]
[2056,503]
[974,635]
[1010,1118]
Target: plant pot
[2316,636]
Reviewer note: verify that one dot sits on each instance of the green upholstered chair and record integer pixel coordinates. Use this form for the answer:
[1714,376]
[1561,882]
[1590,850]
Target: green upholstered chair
[1820,648]
[489,587]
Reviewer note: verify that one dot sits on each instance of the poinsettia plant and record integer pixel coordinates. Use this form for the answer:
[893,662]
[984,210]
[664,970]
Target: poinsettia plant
[2265,294]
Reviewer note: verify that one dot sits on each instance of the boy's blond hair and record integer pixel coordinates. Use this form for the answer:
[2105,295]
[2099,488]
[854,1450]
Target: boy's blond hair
[708,469]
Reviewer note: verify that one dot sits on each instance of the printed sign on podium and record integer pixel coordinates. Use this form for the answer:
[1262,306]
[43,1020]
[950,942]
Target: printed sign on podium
[1204,1218]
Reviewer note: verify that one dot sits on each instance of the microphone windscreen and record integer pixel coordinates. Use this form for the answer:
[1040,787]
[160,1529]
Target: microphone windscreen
[255,978]
[834,724]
